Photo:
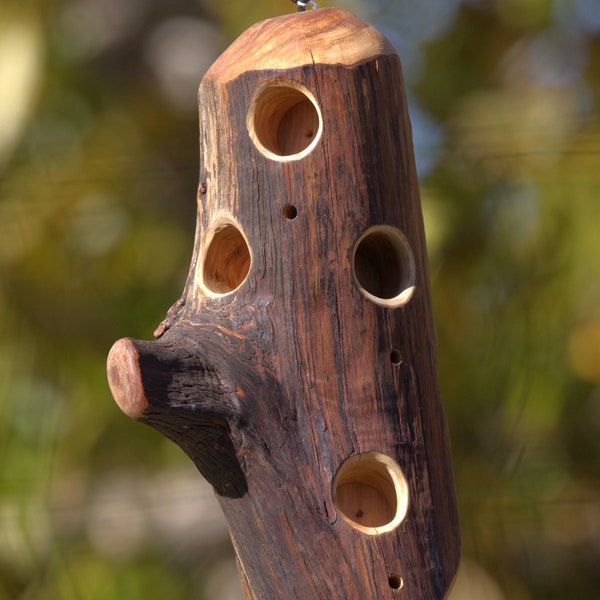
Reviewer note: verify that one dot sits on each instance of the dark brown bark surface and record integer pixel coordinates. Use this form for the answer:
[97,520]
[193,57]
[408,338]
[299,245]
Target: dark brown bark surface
[305,335]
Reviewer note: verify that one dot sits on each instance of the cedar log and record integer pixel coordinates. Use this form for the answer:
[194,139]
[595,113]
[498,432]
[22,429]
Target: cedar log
[298,370]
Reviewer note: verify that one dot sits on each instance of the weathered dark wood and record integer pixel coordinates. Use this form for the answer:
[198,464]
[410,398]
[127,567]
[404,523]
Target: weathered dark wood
[298,370]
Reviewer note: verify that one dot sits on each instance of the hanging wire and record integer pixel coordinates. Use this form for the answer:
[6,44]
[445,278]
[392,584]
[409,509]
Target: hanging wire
[302,4]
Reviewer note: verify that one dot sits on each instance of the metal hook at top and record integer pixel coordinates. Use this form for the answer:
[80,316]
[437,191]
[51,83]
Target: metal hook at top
[302,4]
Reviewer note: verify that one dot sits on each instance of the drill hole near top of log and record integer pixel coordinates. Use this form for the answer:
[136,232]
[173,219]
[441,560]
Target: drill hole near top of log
[370,493]
[384,266]
[284,121]
[226,259]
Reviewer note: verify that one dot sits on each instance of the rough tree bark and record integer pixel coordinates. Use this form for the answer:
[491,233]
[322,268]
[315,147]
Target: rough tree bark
[298,370]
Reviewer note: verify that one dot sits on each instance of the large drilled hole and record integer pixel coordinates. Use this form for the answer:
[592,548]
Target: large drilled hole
[227,260]
[284,121]
[384,266]
[370,493]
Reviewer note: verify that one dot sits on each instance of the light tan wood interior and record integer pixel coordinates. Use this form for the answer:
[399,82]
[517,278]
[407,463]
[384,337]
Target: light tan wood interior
[370,493]
[226,261]
[284,121]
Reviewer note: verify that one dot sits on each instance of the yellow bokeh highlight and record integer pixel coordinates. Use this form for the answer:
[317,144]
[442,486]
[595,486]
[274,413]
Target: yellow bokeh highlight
[583,350]
[21,52]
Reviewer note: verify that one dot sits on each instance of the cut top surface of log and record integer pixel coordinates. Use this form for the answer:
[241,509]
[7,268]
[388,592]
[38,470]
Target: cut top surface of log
[326,36]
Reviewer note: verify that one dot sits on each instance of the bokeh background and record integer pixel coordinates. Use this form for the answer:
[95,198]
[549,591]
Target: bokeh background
[98,176]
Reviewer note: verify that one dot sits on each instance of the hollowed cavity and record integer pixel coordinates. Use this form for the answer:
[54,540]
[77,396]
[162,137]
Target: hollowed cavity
[384,267]
[227,260]
[370,493]
[284,121]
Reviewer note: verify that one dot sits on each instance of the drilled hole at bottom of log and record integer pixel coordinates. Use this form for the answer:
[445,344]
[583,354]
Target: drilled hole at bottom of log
[370,493]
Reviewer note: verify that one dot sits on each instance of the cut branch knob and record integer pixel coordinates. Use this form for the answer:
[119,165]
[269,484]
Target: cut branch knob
[125,379]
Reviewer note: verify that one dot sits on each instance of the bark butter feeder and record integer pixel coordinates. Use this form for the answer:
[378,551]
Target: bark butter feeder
[298,369]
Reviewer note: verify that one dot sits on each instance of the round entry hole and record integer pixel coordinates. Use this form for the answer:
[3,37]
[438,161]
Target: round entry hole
[384,267]
[227,260]
[284,121]
[370,493]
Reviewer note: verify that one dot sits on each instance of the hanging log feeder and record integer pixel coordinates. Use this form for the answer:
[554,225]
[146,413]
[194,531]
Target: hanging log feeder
[298,369]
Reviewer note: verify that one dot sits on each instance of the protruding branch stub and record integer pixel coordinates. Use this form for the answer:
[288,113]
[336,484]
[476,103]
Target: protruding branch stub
[298,369]
[172,386]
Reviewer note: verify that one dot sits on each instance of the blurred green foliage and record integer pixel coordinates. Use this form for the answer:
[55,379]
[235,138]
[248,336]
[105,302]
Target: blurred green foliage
[98,174]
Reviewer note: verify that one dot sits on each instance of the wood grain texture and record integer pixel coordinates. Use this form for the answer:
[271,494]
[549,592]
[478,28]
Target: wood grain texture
[296,354]
[328,36]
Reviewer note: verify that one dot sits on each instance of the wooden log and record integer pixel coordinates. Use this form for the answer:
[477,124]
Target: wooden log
[298,370]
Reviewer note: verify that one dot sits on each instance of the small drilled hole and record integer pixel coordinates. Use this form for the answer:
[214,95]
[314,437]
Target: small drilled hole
[395,356]
[384,266]
[370,493]
[395,581]
[290,212]
[284,121]
[227,260]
